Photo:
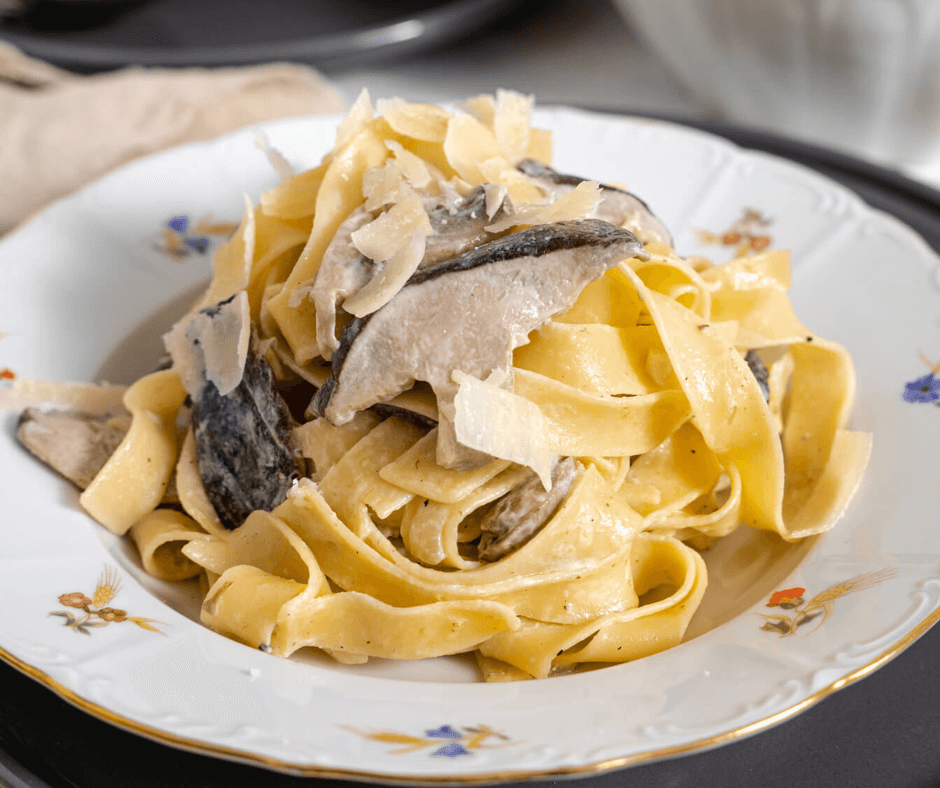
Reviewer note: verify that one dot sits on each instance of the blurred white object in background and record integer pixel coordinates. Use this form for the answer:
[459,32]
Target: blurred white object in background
[862,76]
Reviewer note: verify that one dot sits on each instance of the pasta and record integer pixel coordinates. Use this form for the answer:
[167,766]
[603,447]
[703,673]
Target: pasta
[407,511]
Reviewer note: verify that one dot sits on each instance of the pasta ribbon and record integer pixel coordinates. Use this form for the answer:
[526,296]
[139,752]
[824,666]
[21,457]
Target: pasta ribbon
[134,479]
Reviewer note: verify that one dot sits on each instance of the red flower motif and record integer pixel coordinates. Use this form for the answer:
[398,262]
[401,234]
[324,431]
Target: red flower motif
[787,597]
[7,374]
[760,242]
[75,599]
[112,614]
[731,238]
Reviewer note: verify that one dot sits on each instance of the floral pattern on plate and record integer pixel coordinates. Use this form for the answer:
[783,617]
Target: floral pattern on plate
[819,608]
[746,235]
[446,741]
[926,388]
[182,238]
[96,610]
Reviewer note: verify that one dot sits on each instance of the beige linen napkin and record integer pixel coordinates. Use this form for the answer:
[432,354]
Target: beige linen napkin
[59,130]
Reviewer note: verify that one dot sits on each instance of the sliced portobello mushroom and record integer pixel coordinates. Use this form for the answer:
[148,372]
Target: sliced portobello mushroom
[618,207]
[458,228]
[75,444]
[759,369]
[520,514]
[245,450]
[468,314]
[344,270]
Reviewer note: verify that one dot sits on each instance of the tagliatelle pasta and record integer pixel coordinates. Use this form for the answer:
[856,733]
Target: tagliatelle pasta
[539,494]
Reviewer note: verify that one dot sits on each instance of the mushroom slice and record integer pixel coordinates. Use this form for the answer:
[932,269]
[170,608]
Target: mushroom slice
[759,369]
[344,270]
[459,228]
[244,445]
[468,314]
[75,444]
[520,514]
[618,207]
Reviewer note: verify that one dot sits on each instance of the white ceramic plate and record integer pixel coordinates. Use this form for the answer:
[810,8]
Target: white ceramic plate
[87,286]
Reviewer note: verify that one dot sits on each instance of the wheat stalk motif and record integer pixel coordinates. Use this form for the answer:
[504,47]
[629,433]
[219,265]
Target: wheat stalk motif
[819,608]
[95,611]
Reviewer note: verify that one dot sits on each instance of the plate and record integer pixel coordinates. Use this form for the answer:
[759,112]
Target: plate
[102,35]
[84,288]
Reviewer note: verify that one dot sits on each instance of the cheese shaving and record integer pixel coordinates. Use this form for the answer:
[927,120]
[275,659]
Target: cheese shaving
[383,185]
[497,422]
[511,124]
[413,167]
[469,142]
[418,121]
[389,279]
[212,345]
[275,158]
[90,398]
[483,108]
[359,116]
[580,202]
[382,238]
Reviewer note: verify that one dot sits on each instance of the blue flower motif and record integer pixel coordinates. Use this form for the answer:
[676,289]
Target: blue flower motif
[444,732]
[179,223]
[200,243]
[452,750]
[924,389]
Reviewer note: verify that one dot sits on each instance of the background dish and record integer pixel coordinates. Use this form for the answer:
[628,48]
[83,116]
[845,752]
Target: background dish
[196,33]
[636,153]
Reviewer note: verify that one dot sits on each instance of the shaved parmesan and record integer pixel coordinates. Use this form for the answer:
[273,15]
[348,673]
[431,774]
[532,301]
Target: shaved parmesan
[359,116]
[418,121]
[541,145]
[91,398]
[231,263]
[501,424]
[414,168]
[383,185]
[580,203]
[276,159]
[383,237]
[511,124]
[389,279]
[469,142]
[520,187]
[495,197]
[483,108]
[212,345]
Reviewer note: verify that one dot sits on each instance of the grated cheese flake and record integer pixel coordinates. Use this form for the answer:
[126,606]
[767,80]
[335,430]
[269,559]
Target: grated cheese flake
[98,399]
[468,143]
[389,280]
[412,166]
[383,185]
[511,124]
[385,235]
[580,203]
[504,425]
[359,116]
[419,121]
[212,345]
[275,158]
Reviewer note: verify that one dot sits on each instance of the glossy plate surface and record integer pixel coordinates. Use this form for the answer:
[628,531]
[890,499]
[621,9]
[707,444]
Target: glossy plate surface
[86,288]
